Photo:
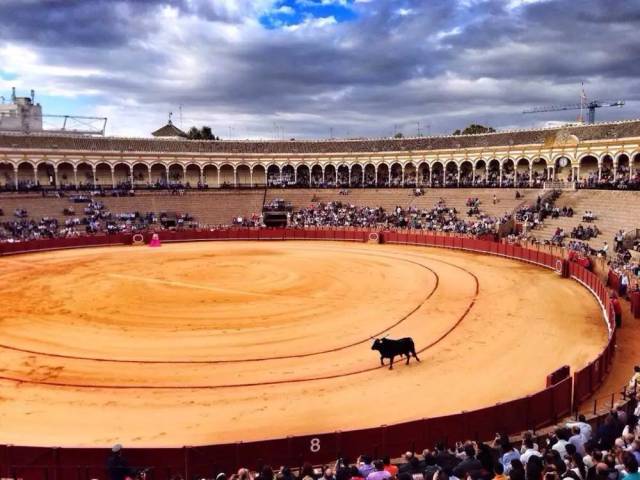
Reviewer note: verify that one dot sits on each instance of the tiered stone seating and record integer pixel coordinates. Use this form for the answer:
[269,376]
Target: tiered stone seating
[208,208]
[36,206]
[614,210]
[404,197]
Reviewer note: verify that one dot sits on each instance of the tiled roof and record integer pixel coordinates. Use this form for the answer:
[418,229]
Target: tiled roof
[540,137]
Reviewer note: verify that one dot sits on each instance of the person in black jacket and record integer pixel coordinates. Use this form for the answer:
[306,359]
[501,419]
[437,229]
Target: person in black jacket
[445,459]
[117,466]
[469,464]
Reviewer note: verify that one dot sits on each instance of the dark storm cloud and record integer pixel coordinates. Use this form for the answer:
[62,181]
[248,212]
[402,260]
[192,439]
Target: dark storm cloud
[93,23]
[441,62]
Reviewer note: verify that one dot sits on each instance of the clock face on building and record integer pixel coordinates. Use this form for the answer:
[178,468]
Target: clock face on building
[563,162]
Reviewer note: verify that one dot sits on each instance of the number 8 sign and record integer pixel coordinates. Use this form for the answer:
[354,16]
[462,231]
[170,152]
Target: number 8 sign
[315,445]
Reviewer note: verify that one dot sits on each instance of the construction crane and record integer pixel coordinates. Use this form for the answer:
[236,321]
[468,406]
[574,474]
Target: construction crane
[589,106]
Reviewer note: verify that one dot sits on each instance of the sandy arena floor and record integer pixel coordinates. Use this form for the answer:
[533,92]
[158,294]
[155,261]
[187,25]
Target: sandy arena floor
[219,342]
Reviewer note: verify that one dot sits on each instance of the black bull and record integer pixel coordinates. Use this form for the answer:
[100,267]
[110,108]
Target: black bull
[392,348]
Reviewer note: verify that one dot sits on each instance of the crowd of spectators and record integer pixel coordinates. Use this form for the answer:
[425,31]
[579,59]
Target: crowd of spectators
[440,218]
[625,179]
[95,219]
[573,451]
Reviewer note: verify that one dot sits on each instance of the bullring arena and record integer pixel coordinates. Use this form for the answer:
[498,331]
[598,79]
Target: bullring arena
[233,342]
[221,342]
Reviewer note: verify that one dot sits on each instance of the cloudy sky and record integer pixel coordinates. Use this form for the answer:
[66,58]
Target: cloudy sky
[315,68]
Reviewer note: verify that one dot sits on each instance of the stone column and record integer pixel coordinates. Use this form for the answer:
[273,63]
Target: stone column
[530,174]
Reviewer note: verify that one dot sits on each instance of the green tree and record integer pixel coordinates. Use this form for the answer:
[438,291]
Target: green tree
[206,133]
[473,129]
[194,134]
[203,133]
[398,135]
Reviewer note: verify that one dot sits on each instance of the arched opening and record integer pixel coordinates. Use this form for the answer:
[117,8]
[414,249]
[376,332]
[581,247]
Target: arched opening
[493,173]
[84,174]
[589,171]
[192,175]
[288,175]
[303,176]
[159,175]
[227,178]
[522,172]
[140,174]
[356,175]
[103,175]
[176,174]
[451,174]
[383,175]
[7,176]
[409,175]
[26,176]
[122,175]
[540,172]
[259,176]
[563,171]
[46,174]
[273,176]
[437,174]
[423,174]
[396,175]
[508,173]
[65,175]
[316,176]
[370,175]
[243,176]
[466,174]
[343,176]
[623,170]
[607,169]
[210,176]
[330,176]
[480,173]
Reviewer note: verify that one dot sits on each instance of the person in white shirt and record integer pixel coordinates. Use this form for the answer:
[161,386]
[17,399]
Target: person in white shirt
[530,451]
[562,435]
[604,250]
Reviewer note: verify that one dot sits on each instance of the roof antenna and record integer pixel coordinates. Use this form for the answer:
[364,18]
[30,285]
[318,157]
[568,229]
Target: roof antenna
[170,114]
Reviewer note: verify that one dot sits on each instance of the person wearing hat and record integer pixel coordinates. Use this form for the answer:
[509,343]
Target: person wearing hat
[117,466]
